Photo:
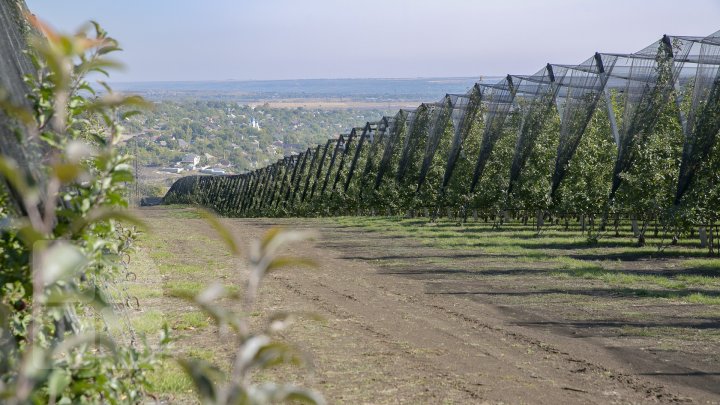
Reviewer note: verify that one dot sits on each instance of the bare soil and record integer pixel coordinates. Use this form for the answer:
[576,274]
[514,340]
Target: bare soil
[406,323]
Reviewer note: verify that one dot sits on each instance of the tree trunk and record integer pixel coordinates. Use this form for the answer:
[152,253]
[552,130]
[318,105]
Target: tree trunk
[657,230]
[617,224]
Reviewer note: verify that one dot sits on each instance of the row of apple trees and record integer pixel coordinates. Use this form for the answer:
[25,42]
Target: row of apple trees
[615,138]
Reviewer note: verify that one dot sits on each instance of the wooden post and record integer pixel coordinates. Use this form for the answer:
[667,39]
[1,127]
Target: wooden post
[635,228]
[702,233]
[540,216]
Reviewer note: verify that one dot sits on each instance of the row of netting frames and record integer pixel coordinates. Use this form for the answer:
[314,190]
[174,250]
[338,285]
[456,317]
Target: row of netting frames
[439,155]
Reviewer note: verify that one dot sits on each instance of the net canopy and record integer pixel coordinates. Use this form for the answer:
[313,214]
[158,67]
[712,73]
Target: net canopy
[643,82]
[306,156]
[321,166]
[443,113]
[465,109]
[311,171]
[580,88]
[448,144]
[535,98]
[418,124]
[367,133]
[699,88]
[339,146]
[378,142]
[397,125]
[497,101]
[346,147]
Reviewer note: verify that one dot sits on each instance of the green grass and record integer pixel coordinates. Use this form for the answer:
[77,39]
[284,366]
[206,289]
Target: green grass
[514,243]
[169,378]
[183,212]
[191,320]
[181,268]
[148,322]
[203,354]
[700,298]
[709,265]
[142,291]
[182,289]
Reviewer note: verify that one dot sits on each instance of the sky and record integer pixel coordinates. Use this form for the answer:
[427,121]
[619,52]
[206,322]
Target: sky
[193,40]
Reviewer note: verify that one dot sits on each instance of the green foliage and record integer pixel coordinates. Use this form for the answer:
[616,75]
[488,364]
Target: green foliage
[64,242]
[256,350]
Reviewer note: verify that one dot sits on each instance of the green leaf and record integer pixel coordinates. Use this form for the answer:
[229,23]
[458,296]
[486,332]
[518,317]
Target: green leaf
[57,382]
[60,261]
[275,238]
[67,172]
[274,393]
[223,231]
[129,114]
[83,339]
[76,151]
[277,353]
[204,376]
[20,113]
[280,262]
[11,172]
[105,214]
[282,320]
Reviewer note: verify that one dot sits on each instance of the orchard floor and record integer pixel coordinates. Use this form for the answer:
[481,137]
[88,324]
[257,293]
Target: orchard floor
[443,313]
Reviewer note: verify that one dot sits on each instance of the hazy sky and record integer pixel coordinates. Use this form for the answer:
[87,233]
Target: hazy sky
[291,39]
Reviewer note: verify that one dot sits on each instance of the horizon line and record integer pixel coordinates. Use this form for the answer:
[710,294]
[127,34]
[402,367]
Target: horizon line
[296,79]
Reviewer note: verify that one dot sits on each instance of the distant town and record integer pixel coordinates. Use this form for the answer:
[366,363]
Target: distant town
[216,137]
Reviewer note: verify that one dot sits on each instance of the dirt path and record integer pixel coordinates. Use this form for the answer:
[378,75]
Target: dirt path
[402,336]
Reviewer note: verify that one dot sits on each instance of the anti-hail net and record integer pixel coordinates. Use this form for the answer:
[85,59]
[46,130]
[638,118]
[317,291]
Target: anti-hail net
[637,89]
[535,98]
[332,168]
[348,145]
[465,109]
[322,164]
[497,102]
[442,115]
[643,81]
[418,120]
[366,134]
[580,89]
[699,86]
[311,171]
[397,126]
[377,143]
